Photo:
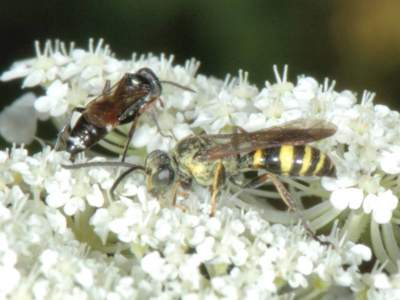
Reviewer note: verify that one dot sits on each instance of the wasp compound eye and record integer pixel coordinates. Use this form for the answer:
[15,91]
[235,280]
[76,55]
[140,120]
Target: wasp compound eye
[160,180]
[134,81]
[164,176]
[160,172]
[148,77]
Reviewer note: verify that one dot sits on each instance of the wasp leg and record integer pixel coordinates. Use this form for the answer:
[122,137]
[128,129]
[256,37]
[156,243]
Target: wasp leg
[218,181]
[175,188]
[175,192]
[128,141]
[133,127]
[154,118]
[283,192]
[107,88]
[286,198]
[263,178]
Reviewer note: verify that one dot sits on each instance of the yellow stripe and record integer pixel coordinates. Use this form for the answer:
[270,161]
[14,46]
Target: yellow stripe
[320,163]
[286,158]
[258,158]
[306,161]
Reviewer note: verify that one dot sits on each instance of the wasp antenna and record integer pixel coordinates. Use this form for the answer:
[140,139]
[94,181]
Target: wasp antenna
[122,176]
[103,164]
[171,135]
[178,85]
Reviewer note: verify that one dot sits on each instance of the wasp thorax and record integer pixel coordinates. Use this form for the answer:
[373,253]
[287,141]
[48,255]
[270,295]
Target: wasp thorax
[152,80]
[160,173]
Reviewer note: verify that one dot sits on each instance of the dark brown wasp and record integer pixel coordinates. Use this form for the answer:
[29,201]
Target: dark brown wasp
[211,159]
[117,105]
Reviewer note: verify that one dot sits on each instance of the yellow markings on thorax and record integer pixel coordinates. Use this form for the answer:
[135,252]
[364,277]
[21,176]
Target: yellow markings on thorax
[286,158]
[258,158]
[307,159]
[197,169]
[320,163]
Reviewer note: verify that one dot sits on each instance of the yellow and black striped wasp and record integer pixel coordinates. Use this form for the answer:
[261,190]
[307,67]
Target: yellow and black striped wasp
[120,104]
[211,159]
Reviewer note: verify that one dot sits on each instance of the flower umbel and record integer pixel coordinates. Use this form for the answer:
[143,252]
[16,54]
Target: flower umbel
[63,235]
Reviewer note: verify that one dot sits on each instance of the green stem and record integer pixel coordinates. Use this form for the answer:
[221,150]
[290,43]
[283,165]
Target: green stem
[390,242]
[325,219]
[379,249]
[355,225]
[317,210]
[311,191]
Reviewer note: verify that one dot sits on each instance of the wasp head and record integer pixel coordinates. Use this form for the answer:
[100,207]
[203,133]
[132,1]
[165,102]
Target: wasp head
[147,76]
[160,172]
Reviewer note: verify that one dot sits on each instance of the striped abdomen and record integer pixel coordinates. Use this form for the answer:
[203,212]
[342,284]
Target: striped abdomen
[291,160]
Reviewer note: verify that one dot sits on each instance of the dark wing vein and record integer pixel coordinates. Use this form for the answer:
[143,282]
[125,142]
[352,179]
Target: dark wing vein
[298,132]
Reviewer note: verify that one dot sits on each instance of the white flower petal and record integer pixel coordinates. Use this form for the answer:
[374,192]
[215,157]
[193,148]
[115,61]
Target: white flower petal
[33,78]
[143,135]
[42,104]
[59,109]
[370,202]
[18,70]
[73,205]
[341,198]
[381,281]
[306,88]
[18,121]
[382,216]
[362,251]
[388,200]
[57,200]
[57,89]
[304,265]
[390,161]
[95,198]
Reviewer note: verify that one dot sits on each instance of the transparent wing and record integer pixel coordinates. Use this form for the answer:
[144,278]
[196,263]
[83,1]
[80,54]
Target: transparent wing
[106,109]
[297,132]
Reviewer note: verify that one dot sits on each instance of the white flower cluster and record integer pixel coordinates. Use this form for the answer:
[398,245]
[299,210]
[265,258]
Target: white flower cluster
[170,247]
[172,253]
[366,144]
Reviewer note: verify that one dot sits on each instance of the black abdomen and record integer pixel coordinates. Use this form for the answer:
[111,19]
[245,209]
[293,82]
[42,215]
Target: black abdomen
[83,136]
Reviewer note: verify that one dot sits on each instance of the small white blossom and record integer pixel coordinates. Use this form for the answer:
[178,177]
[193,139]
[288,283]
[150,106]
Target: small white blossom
[54,102]
[42,69]
[390,160]
[348,197]
[18,121]
[154,265]
[381,206]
